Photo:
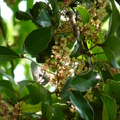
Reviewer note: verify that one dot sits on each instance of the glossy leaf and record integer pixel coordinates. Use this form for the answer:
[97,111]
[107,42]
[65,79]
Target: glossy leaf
[37,8]
[82,84]
[22,15]
[112,88]
[109,108]
[61,106]
[84,14]
[28,108]
[113,43]
[82,105]
[43,19]
[88,74]
[37,40]
[7,54]
[7,88]
[114,20]
[111,57]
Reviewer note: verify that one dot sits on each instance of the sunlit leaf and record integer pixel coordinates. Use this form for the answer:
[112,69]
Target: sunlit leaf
[109,108]
[82,105]
[28,108]
[7,54]
[84,14]
[37,40]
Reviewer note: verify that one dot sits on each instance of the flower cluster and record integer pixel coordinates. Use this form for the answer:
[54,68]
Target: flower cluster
[92,29]
[62,65]
[60,62]
[7,111]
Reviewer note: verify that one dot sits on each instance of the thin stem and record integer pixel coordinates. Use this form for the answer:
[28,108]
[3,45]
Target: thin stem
[95,46]
[97,53]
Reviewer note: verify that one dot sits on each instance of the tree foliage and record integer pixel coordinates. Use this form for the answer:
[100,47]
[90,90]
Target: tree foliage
[74,61]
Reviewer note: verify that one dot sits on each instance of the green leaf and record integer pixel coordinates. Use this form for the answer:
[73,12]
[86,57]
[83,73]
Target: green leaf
[7,54]
[113,43]
[65,93]
[37,7]
[82,84]
[16,87]
[114,20]
[61,106]
[46,53]
[84,14]
[35,93]
[116,77]
[37,40]
[7,88]
[28,108]
[82,105]
[111,57]
[98,50]
[58,114]
[105,74]
[46,111]
[22,84]
[43,19]
[112,88]
[88,74]
[109,108]
[22,15]
[55,9]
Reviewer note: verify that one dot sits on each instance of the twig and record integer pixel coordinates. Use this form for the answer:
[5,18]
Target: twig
[95,46]
[97,53]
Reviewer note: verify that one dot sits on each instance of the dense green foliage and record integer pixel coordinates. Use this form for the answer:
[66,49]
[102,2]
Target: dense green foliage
[71,48]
